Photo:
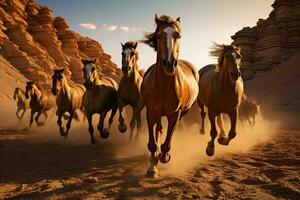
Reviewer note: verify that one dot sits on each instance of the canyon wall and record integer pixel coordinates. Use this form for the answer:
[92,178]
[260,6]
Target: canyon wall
[272,41]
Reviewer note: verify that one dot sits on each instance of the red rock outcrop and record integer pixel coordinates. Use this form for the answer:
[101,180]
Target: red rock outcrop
[35,43]
[272,40]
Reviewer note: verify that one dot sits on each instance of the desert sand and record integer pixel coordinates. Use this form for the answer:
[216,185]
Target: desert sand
[261,163]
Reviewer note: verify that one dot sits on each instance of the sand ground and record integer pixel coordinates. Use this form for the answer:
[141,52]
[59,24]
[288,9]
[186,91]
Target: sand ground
[261,163]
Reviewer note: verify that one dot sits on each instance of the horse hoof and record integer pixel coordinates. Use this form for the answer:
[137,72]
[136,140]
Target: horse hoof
[93,142]
[223,140]
[210,150]
[152,172]
[164,157]
[104,134]
[122,127]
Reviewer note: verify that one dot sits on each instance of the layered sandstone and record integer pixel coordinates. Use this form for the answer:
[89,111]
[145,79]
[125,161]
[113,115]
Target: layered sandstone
[272,40]
[35,43]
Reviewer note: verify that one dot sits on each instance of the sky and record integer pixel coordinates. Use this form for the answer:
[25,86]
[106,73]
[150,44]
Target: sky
[111,22]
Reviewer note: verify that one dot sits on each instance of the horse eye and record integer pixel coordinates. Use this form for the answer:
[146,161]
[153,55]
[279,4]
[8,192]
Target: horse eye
[123,54]
[132,54]
[177,35]
[93,69]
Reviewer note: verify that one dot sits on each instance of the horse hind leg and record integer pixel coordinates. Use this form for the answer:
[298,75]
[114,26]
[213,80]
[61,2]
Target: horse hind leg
[22,115]
[173,120]
[17,113]
[59,123]
[232,132]
[112,115]
[139,124]
[210,149]
[220,124]
[203,114]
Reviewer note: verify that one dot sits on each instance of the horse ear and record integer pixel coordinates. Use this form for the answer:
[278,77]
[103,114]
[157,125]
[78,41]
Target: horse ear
[135,45]
[123,46]
[157,20]
[178,19]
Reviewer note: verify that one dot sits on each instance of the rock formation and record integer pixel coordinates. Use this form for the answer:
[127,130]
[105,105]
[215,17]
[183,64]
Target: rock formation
[35,43]
[272,40]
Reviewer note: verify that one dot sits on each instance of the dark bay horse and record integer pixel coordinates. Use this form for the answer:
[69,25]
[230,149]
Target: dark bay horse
[41,101]
[22,102]
[129,92]
[100,97]
[69,99]
[169,88]
[221,91]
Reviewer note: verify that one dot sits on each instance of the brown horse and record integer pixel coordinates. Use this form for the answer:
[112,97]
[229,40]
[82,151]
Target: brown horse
[169,88]
[248,111]
[100,97]
[221,90]
[41,101]
[129,92]
[69,99]
[22,102]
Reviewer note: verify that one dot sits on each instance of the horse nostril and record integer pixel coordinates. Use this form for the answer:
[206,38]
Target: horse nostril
[175,63]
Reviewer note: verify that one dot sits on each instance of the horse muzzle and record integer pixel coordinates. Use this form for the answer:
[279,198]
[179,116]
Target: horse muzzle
[54,91]
[235,75]
[126,70]
[169,67]
[26,96]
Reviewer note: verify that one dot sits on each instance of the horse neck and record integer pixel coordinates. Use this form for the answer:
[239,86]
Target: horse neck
[97,80]
[65,88]
[224,82]
[37,94]
[134,73]
[21,96]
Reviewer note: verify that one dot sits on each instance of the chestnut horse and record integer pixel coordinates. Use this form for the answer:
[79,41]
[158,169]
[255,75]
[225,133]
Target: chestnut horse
[129,92]
[169,88]
[22,102]
[41,101]
[221,91]
[100,97]
[69,99]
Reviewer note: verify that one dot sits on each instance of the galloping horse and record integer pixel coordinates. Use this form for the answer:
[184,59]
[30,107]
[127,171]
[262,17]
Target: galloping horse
[169,88]
[41,101]
[100,97]
[221,90]
[130,87]
[22,102]
[69,99]
[248,111]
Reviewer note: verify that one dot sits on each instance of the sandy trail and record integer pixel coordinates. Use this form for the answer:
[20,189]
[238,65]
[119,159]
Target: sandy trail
[261,163]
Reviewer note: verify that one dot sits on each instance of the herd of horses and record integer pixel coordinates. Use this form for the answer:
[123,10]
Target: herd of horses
[168,88]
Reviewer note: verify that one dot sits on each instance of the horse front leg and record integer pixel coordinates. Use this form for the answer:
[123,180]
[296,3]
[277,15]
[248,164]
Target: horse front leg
[138,122]
[91,128]
[17,113]
[68,126]
[210,149]
[112,115]
[122,126]
[22,115]
[104,133]
[152,146]
[165,157]
[132,122]
[232,132]
[203,114]
[37,119]
[59,123]
[31,117]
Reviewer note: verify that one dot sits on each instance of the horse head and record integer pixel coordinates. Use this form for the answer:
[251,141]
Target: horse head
[165,40]
[89,71]
[129,57]
[57,80]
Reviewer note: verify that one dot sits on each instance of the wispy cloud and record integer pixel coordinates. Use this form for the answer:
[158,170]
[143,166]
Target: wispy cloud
[107,27]
[88,26]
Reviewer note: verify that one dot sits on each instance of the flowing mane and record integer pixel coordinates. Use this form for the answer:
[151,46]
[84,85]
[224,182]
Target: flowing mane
[162,21]
[218,51]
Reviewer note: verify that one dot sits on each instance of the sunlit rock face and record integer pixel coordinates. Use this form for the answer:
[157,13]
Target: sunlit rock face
[35,42]
[272,40]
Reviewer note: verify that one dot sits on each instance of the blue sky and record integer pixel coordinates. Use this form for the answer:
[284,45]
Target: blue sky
[203,21]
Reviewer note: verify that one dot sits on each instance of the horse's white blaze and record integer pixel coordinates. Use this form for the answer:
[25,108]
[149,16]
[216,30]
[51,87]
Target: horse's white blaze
[88,71]
[127,53]
[234,55]
[170,41]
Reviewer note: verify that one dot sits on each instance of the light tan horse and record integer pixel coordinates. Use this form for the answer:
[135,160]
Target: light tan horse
[69,99]
[41,101]
[100,97]
[129,92]
[169,88]
[22,102]
[221,90]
